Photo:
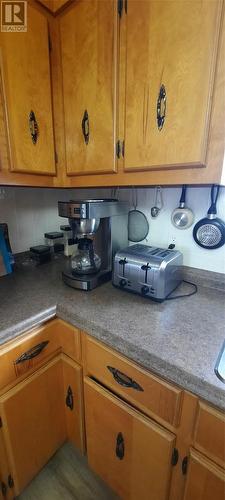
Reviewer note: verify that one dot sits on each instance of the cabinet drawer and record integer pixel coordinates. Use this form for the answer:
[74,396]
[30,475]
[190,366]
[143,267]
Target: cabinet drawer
[145,391]
[22,356]
[210,433]
[129,451]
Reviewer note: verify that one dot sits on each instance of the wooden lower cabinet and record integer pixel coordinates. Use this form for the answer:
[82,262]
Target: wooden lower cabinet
[130,452]
[205,480]
[38,415]
[33,422]
[6,487]
[73,402]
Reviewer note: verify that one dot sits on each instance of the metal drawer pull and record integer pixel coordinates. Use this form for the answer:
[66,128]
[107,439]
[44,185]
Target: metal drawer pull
[124,380]
[69,398]
[32,353]
[120,447]
[33,126]
[85,127]
[161,107]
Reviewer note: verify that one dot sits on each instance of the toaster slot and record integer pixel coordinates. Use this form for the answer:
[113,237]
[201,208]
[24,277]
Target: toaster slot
[147,279]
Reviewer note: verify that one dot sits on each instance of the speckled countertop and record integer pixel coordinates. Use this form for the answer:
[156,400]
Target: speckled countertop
[179,340]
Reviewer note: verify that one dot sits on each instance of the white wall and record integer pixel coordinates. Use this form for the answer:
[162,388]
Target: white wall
[162,232]
[30,212]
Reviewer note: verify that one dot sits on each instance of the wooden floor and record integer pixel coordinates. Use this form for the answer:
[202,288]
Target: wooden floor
[67,477]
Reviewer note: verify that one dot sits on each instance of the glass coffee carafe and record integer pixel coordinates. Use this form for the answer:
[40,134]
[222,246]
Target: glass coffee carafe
[85,261]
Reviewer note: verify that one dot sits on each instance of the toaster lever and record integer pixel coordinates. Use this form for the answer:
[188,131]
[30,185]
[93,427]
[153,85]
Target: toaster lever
[145,268]
[122,262]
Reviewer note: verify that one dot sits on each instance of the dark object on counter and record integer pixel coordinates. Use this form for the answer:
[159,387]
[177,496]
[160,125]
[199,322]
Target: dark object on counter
[40,253]
[65,228]
[4,228]
[53,235]
[5,265]
[58,247]
[209,232]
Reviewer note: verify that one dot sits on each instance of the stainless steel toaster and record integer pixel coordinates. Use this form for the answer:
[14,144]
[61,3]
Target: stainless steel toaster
[149,271]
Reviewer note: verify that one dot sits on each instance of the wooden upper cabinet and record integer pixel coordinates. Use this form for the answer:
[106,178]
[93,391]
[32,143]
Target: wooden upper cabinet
[54,5]
[89,48]
[26,78]
[171,50]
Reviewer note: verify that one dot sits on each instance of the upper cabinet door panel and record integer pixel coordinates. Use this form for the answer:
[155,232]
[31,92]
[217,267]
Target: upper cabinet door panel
[171,51]
[27,86]
[54,5]
[89,46]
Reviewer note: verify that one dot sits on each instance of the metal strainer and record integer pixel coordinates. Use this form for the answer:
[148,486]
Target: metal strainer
[138,226]
[210,232]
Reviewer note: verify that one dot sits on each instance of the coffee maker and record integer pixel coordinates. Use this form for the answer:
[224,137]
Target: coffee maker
[100,227]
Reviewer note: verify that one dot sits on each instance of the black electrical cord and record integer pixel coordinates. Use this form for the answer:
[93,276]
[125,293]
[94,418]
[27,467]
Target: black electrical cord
[185,295]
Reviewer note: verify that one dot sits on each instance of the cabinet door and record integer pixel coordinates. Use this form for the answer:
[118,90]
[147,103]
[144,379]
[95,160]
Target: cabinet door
[171,49]
[205,480]
[6,486]
[88,40]
[130,452]
[33,418]
[73,402]
[27,87]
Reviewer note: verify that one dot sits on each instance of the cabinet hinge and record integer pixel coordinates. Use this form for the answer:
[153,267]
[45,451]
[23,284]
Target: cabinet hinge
[123,148]
[10,481]
[118,149]
[175,457]
[49,43]
[120,145]
[1,424]
[120,7]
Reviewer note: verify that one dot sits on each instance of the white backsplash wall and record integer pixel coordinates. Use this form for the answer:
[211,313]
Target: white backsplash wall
[30,212]
[162,232]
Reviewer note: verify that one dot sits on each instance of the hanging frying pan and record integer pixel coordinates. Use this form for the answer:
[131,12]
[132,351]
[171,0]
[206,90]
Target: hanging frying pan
[182,217]
[210,232]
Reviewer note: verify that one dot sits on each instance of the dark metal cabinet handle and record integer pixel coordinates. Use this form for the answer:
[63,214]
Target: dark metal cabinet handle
[69,398]
[32,353]
[184,465]
[4,489]
[33,125]
[120,446]
[85,127]
[124,380]
[161,107]
[10,481]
